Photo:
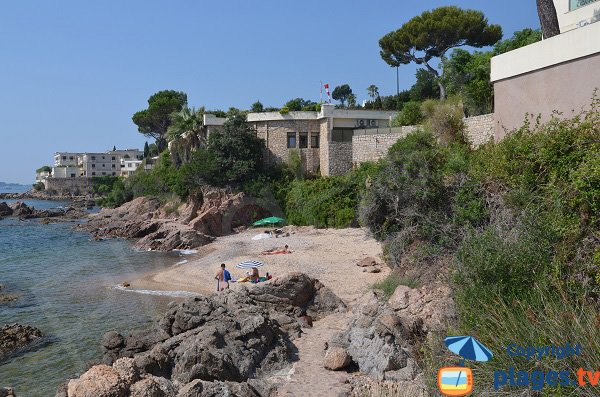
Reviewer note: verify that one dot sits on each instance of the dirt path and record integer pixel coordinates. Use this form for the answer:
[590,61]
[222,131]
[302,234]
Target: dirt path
[308,378]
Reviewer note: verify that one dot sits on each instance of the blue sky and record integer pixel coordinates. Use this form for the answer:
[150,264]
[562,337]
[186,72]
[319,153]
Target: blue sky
[72,73]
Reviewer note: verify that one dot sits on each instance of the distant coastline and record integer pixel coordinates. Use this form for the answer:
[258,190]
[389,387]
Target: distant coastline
[13,188]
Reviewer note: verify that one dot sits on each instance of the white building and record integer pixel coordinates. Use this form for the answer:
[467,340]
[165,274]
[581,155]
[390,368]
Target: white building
[573,14]
[66,159]
[69,171]
[129,167]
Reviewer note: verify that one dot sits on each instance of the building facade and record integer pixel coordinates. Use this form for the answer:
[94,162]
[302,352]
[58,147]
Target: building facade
[74,165]
[574,14]
[559,74]
[322,140]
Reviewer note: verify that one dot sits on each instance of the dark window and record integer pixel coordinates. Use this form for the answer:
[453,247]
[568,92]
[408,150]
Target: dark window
[93,173]
[64,157]
[342,135]
[103,165]
[70,157]
[314,140]
[291,140]
[93,165]
[102,157]
[114,173]
[72,175]
[303,140]
[113,166]
[104,173]
[113,158]
[93,157]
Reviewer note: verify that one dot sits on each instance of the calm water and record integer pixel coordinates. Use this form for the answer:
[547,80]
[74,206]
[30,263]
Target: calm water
[66,283]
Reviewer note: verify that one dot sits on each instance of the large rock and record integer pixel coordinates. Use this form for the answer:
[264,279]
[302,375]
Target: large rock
[213,346]
[98,381]
[336,358]
[16,336]
[431,304]
[7,392]
[378,340]
[5,210]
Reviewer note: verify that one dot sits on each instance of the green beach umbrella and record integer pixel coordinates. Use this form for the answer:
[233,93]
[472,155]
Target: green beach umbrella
[273,220]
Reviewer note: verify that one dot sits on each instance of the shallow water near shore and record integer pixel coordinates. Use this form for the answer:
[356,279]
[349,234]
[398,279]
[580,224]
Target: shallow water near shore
[66,283]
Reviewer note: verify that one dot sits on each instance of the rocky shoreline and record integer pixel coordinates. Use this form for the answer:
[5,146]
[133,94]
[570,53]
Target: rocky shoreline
[34,195]
[16,336]
[23,211]
[189,225]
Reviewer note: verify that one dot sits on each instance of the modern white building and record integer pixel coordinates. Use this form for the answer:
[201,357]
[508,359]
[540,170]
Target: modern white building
[129,167]
[573,14]
[66,171]
[66,159]
[559,74]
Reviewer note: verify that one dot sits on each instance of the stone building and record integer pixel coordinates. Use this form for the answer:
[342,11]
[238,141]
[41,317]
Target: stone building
[323,139]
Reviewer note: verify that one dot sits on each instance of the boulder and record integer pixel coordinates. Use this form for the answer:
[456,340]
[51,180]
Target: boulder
[16,336]
[5,210]
[99,381]
[432,305]
[368,261]
[377,339]
[336,358]
[7,392]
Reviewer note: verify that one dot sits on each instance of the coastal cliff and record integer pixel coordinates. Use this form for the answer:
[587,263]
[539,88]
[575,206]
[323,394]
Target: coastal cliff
[214,212]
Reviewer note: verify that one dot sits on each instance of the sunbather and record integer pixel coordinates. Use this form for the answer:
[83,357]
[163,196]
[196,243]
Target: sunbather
[279,250]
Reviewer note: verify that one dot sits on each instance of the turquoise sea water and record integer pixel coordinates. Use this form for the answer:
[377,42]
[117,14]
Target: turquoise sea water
[66,284]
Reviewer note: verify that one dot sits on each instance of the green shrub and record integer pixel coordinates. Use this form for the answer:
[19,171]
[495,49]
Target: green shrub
[38,186]
[445,119]
[411,114]
[389,284]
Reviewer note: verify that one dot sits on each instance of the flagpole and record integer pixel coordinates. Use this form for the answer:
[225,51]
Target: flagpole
[321,96]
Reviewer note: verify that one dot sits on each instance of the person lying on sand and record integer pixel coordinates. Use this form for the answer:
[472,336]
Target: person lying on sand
[279,250]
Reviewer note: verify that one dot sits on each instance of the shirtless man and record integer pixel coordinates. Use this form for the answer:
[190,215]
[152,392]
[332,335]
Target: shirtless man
[222,276]
[279,250]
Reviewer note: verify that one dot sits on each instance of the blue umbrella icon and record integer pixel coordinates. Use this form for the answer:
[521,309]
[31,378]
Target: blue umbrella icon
[468,348]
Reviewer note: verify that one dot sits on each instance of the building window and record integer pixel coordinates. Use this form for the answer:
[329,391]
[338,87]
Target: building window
[93,165]
[103,165]
[113,158]
[303,141]
[113,166]
[314,140]
[93,173]
[72,175]
[93,157]
[104,173]
[342,135]
[70,157]
[114,173]
[575,4]
[64,157]
[102,157]
[291,140]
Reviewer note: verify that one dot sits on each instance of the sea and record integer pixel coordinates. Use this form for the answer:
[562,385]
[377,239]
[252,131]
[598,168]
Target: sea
[68,287]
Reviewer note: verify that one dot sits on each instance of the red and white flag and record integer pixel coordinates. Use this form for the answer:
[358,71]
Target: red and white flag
[327,92]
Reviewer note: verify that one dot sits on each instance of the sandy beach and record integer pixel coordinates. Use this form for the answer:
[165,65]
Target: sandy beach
[329,255]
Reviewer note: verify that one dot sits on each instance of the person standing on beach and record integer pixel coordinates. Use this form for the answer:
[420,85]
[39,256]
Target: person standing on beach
[222,276]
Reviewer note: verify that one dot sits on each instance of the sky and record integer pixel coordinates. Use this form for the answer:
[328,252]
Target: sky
[72,72]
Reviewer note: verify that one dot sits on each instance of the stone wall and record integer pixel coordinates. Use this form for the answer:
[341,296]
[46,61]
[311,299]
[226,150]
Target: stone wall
[479,129]
[371,145]
[340,158]
[274,133]
[69,186]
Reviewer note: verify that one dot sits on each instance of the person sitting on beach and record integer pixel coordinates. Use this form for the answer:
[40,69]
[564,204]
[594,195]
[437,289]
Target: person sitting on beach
[223,276]
[255,276]
[279,250]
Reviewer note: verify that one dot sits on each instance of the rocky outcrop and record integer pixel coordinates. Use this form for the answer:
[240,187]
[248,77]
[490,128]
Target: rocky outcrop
[7,392]
[381,337]
[6,298]
[213,213]
[23,211]
[223,344]
[17,336]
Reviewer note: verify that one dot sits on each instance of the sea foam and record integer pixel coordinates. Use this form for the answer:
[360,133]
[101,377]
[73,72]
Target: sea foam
[173,294]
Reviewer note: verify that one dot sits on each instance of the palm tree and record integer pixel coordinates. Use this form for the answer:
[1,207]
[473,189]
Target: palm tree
[186,133]
[373,91]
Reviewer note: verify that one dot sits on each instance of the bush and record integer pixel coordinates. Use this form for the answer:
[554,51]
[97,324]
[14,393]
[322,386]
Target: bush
[445,119]
[411,114]
[389,284]
[38,186]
